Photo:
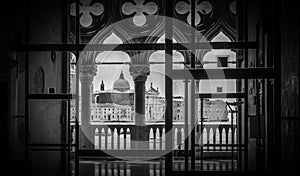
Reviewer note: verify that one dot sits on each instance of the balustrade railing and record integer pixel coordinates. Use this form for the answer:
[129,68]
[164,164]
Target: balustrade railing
[213,137]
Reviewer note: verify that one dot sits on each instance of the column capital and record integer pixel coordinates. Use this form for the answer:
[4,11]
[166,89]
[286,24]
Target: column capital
[87,73]
[139,72]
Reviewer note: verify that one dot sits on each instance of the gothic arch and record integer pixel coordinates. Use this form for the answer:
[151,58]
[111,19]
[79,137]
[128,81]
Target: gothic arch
[226,29]
[88,58]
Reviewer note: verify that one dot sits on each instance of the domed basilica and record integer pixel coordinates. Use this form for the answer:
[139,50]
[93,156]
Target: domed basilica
[118,103]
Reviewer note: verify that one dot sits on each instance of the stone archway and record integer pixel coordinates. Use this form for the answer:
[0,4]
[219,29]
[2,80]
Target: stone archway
[139,69]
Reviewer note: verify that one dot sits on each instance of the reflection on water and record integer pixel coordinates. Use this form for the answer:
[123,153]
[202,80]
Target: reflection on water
[147,168]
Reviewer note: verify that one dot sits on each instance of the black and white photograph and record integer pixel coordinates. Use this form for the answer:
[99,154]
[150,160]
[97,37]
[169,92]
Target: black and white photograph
[149,87]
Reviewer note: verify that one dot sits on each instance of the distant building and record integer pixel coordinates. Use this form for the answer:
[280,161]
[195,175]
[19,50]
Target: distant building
[117,105]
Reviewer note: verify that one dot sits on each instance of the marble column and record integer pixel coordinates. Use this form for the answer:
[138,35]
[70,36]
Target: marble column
[86,135]
[140,136]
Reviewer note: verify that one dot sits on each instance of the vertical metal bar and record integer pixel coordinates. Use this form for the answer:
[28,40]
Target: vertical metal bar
[193,33]
[245,7]
[239,126]
[169,87]
[65,87]
[27,11]
[69,138]
[186,126]
[202,143]
[77,38]
[192,123]
[232,141]
[276,21]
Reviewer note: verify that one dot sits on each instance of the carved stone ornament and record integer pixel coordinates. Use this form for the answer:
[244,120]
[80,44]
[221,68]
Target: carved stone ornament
[86,10]
[87,73]
[140,9]
[204,8]
[139,72]
[39,81]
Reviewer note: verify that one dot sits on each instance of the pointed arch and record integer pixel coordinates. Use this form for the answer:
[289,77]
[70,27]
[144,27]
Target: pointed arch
[112,30]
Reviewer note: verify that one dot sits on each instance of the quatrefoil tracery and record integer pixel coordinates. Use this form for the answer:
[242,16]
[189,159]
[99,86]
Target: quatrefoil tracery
[139,8]
[85,10]
[204,8]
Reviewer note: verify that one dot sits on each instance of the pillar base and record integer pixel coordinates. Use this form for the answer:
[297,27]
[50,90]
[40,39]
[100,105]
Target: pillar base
[85,142]
[140,138]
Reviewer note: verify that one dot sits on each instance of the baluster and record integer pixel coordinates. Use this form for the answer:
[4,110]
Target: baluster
[95,138]
[214,138]
[208,139]
[163,138]
[235,137]
[159,138]
[179,138]
[226,133]
[100,137]
[175,136]
[221,137]
[129,138]
[121,138]
[118,138]
[113,138]
[217,136]
[230,138]
[150,139]
[106,138]
[154,139]
[125,140]
[182,138]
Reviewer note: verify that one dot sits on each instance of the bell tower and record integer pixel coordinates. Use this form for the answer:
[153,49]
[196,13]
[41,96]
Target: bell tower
[102,86]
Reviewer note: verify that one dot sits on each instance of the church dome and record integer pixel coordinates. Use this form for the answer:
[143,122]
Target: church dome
[121,84]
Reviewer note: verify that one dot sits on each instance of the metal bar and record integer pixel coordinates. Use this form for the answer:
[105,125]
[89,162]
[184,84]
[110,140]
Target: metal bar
[52,96]
[193,59]
[135,47]
[192,125]
[193,63]
[215,62]
[50,145]
[186,126]
[245,18]
[128,63]
[232,142]
[228,73]
[77,41]
[225,145]
[69,135]
[276,21]
[48,149]
[65,85]
[202,128]
[27,11]
[168,88]
[221,95]
[240,27]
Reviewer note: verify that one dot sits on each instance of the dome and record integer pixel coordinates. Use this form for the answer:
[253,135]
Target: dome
[121,84]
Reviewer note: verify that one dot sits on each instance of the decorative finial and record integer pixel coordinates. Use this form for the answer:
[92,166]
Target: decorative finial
[102,85]
[157,89]
[121,75]
[151,85]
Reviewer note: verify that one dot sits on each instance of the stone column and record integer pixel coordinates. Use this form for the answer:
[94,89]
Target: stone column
[87,73]
[140,136]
